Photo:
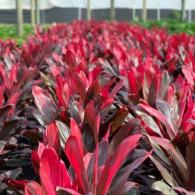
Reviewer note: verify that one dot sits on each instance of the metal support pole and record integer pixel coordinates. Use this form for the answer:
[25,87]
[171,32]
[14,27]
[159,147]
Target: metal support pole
[133,14]
[88,9]
[144,10]
[190,15]
[37,10]
[19,17]
[112,10]
[33,18]
[133,10]
[183,10]
[79,13]
[158,11]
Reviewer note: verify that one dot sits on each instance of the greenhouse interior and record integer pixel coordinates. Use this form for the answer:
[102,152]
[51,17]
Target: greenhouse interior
[97,97]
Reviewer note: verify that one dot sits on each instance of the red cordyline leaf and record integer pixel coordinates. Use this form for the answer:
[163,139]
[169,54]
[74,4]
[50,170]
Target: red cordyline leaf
[40,149]
[189,75]
[183,102]
[175,154]
[2,90]
[45,104]
[93,119]
[11,103]
[33,188]
[75,131]
[120,182]
[185,121]
[154,89]
[114,162]
[70,59]
[56,57]
[75,158]
[4,77]
[119,118]
[171,99]
[78,86]
[132,82]
[95,169]
[190,158]
[36,156]
[92,92]
[106,136]
[59,88]
[13,73]
[35,161]
[118,52]
[62,91]
[14,98]
[158,115]
[84,79]
[53,172]
[18,184]
[106,88]
[94,74]
[106,103]
[52,136]
[116,88]
[55,70]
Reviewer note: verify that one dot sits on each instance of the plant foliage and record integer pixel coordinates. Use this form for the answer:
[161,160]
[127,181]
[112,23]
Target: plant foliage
[98,108]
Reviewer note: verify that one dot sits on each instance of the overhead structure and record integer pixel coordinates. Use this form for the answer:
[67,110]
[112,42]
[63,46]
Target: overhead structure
[97,4]
[148,8]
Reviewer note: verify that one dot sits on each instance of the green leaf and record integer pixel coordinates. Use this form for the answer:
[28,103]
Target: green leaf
[164,172]
[64,132]
[149,121]
[163,188]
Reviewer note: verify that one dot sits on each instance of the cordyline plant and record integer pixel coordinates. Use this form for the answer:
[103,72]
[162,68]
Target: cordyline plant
[98,108]
[175,130]
[16,82]
[92,168]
